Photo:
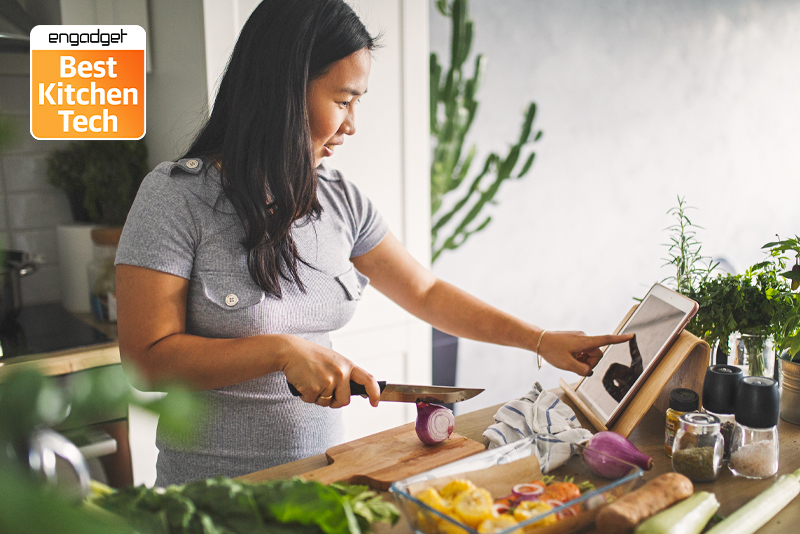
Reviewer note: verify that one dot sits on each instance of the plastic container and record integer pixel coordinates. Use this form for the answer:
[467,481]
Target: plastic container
[101,273]
[681,401]
[498,470]
[698,447]
[755,447]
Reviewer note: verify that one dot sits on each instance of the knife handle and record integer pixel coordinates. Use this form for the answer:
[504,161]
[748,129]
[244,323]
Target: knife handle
[358,389]
[355,388]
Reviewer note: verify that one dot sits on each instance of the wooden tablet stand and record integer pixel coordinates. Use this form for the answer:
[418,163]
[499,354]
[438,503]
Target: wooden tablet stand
[683,366]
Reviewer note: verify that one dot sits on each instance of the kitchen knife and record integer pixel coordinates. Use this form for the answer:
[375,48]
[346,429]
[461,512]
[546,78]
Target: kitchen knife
[406,393]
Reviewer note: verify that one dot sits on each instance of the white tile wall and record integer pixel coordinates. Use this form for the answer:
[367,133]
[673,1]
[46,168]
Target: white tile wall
[30,208]
[27,172]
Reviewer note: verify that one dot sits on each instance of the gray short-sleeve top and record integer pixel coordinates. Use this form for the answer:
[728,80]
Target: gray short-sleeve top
[182,224]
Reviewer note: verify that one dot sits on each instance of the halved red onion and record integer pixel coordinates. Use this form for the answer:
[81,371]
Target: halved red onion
[434,423]
[604,451]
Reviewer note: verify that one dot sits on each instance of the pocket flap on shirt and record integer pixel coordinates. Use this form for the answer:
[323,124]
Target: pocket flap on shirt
[352,284]
[231,291]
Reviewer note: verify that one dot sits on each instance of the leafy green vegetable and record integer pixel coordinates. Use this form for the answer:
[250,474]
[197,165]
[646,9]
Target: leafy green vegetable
[25,508]
[224,506]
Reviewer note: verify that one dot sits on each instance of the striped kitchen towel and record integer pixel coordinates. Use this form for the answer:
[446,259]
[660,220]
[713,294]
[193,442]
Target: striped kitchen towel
[538,412]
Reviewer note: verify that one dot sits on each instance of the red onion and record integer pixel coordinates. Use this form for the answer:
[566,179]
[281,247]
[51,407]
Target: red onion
[528,492]
[434,423]
[605,449]
[500,508]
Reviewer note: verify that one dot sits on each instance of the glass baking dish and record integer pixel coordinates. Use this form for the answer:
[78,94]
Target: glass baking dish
[498,470]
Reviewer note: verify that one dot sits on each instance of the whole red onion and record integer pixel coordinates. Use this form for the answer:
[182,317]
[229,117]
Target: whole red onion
[434,423]
[604,451]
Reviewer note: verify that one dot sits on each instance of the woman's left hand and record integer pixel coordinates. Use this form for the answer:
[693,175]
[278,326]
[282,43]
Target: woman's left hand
[575,351]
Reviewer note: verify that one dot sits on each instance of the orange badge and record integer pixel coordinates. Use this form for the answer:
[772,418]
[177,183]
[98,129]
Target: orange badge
[88,82]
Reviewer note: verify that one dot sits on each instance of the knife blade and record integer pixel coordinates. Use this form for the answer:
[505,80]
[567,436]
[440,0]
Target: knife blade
[409,393]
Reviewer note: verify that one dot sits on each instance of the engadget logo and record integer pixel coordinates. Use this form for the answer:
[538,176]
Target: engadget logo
[88,82]
[97,37]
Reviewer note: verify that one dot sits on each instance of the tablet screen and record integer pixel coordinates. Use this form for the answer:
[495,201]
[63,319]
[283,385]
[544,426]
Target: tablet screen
[654,324]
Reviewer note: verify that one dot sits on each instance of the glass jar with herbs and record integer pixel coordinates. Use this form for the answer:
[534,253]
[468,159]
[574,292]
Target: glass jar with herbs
[698,447]
[681,401]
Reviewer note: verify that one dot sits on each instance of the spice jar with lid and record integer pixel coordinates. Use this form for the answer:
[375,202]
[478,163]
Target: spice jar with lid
[754,446]
[681,401]
[719,399]
[698,447]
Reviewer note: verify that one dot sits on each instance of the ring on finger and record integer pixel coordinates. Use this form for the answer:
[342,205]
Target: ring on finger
[323,397]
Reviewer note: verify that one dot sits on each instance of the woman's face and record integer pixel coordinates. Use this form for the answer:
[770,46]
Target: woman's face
[331,101]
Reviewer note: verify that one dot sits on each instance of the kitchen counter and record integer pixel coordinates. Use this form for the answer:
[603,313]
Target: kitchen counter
[72,360]
[648,436]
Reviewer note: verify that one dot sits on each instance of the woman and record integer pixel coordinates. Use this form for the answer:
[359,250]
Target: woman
[238,259]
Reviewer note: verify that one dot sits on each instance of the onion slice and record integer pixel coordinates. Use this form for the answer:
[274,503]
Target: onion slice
[434,423]
[610,455]
[499,508]
[528,492]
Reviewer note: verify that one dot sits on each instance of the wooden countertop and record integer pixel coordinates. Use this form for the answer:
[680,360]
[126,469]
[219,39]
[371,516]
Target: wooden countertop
[72,360]
[648,436]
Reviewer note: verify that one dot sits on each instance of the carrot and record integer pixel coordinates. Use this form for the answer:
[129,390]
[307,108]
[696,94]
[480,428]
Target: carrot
[623,515]
[562,491]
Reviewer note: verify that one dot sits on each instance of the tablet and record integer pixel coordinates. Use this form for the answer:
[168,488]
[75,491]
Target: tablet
[657,322]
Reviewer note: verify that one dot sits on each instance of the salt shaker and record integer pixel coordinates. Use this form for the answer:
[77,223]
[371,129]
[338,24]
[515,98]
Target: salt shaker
[698,447]
[719,399]
[754,446]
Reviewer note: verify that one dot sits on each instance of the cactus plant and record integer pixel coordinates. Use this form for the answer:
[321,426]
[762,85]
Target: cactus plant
[453,108]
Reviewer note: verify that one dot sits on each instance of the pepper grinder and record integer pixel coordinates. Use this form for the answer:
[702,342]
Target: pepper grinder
[754,447]
[719,399]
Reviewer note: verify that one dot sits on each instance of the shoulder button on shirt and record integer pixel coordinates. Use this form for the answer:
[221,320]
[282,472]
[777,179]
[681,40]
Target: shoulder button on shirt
[231,300]
[192,163]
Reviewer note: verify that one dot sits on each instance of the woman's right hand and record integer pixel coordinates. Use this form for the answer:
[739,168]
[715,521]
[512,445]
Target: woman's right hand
[322,376]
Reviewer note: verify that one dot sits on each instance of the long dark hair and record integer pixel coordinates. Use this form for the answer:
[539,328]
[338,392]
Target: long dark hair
[258,130]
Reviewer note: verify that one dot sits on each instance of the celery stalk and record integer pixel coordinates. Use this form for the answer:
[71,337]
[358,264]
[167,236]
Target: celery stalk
[687,517]
[761,508]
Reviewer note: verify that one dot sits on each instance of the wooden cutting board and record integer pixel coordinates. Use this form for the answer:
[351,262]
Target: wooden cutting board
[389,456]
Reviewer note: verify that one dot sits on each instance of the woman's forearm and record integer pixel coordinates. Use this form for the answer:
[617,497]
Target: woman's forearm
[456,312]
[205,363]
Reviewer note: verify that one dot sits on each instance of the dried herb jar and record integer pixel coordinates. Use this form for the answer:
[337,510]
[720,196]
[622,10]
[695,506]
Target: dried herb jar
[698,447]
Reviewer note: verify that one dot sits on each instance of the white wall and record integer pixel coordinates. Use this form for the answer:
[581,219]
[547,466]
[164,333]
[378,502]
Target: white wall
[639,102]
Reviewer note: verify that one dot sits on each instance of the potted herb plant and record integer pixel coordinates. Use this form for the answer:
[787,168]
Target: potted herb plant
[101,179]
[756,304]
[789,346]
